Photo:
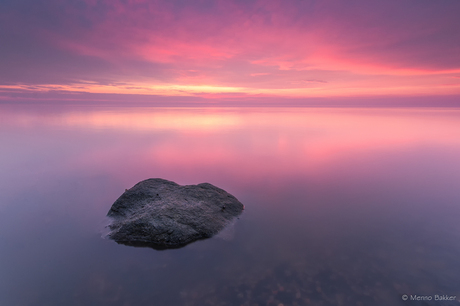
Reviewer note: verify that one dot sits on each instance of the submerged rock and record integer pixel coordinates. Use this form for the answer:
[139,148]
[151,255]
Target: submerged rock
[162,214]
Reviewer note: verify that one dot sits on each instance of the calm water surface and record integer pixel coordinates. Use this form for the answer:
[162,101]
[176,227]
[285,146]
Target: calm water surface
[343,206]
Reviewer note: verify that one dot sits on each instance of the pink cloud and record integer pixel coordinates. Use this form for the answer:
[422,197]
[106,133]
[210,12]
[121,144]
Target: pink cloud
[258,45]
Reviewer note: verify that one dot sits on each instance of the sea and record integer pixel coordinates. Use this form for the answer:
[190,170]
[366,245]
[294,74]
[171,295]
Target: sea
[343,205]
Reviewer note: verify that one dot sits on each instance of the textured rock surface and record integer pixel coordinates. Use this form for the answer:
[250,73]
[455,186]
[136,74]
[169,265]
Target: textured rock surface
[162,214]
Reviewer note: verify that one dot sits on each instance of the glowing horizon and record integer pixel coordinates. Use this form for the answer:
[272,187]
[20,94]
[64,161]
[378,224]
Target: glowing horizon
[278,49]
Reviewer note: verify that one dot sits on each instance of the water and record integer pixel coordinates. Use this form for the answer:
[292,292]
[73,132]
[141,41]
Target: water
[343,206]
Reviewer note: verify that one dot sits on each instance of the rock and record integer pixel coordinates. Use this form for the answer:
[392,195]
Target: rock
[162,214]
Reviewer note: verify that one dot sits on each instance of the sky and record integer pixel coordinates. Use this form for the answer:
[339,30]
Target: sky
[229,50]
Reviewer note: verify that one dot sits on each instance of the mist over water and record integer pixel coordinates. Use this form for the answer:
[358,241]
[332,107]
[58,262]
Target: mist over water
[343,206]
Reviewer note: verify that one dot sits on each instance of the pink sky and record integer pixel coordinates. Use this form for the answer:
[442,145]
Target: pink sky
[238,50]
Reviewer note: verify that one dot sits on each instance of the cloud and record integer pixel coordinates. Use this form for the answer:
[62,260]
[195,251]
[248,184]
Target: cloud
[257,45]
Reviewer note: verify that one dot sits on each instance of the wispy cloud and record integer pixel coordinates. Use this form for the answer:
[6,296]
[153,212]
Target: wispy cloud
[271,47]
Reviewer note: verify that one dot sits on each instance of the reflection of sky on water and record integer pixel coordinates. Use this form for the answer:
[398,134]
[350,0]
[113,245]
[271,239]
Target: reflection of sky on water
[344,206]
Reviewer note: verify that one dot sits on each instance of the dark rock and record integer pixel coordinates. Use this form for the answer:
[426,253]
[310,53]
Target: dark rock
[162,214]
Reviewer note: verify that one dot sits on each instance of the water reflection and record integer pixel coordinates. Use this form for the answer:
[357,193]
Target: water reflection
[343,206]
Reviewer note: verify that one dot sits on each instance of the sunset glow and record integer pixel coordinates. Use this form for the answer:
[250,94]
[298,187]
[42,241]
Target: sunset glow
[279,49]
